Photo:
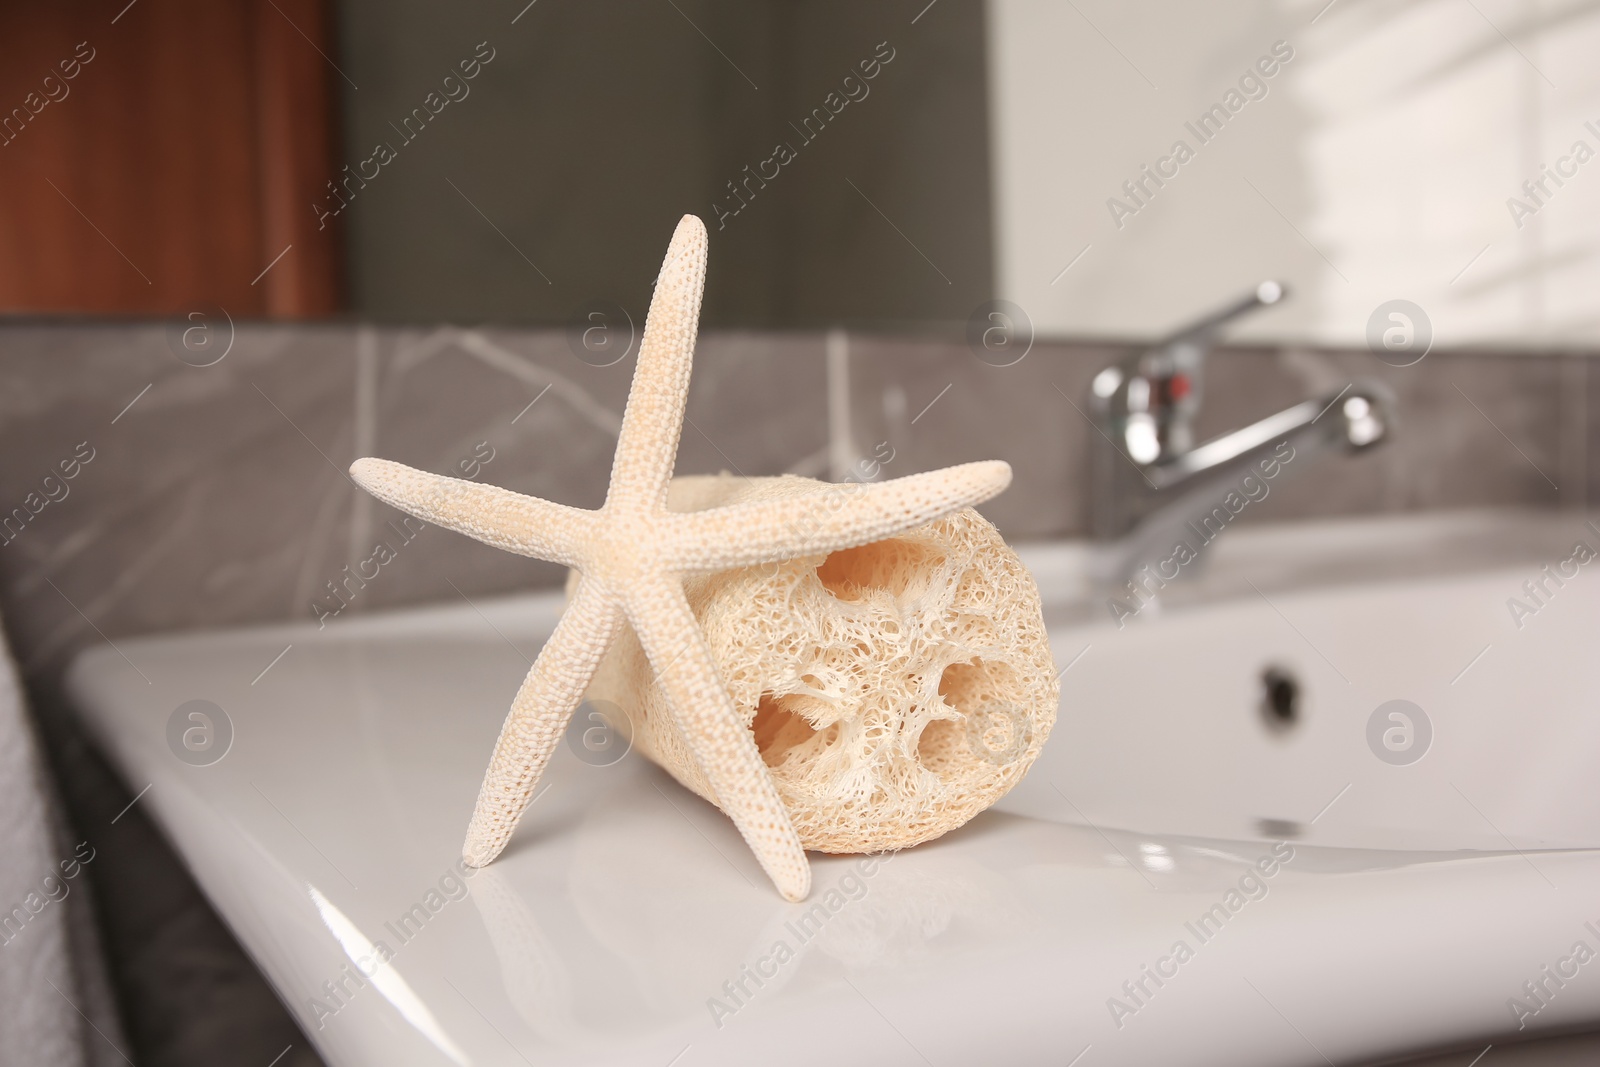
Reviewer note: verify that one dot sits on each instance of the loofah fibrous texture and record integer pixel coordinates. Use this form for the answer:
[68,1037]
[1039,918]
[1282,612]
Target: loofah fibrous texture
[894,690]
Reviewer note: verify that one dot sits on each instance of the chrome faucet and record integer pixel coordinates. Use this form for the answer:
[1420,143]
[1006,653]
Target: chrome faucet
[1154,493]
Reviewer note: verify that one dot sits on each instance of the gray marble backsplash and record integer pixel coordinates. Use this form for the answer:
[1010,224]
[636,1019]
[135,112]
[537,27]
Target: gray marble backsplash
[218,495]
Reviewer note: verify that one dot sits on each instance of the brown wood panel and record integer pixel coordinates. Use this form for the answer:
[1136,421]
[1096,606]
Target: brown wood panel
[296,85]
[160,176]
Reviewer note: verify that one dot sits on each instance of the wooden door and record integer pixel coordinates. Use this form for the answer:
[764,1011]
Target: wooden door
[162,155]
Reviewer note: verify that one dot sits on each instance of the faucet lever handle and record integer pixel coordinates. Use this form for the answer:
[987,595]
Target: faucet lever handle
[1192,341]
[1153,395]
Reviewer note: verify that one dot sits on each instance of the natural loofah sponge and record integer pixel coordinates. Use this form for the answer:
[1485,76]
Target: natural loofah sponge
[894,690]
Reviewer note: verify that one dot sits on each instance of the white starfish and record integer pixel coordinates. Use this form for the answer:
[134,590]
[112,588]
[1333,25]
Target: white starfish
[631,556]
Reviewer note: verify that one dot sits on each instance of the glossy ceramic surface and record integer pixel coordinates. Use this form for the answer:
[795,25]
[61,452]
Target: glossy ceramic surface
[1331,906]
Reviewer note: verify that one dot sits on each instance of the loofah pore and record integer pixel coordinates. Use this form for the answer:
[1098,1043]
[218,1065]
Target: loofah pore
[894,690]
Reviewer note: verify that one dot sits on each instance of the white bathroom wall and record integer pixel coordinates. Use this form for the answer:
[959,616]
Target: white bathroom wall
[1381,163]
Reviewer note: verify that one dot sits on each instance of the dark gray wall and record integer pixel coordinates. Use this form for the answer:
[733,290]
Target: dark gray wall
[597,125]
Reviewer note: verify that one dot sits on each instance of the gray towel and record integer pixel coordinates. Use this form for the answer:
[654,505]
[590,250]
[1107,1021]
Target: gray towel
[55,1002]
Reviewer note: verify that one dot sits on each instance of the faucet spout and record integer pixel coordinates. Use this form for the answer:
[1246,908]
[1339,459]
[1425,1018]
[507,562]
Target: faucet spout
[1364,413]
[1190,499]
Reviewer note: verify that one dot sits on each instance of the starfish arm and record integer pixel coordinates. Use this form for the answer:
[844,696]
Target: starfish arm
[722,746]
[522,524]
[835,517]
[647,446]
[538,717]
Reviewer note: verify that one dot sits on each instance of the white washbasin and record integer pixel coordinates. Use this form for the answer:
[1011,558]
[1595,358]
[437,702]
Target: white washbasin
[625,917]
[1500,749]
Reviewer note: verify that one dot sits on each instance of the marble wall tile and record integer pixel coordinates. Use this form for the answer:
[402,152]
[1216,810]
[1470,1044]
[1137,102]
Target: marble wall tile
[756,405]
[1583,393]
[1472,430]
[219,497]
[935,403]
[206,494]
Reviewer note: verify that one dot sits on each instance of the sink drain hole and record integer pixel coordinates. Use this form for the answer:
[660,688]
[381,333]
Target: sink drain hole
[1280,697]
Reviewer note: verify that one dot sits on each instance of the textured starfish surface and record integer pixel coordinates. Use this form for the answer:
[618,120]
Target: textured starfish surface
[631,556]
